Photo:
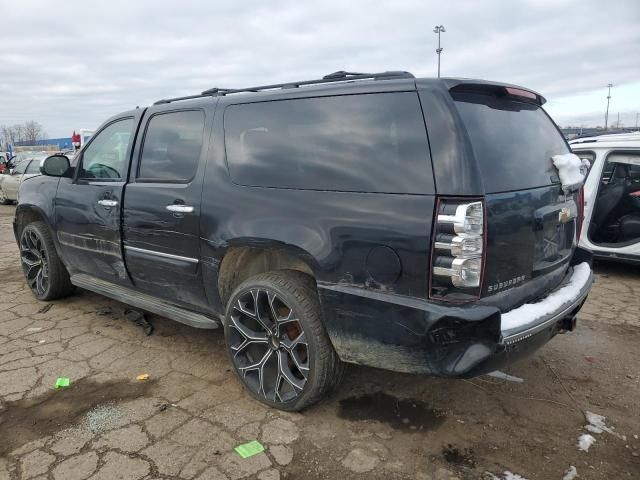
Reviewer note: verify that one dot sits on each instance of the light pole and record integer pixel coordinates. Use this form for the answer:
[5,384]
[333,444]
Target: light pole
[606,115]
[439,29]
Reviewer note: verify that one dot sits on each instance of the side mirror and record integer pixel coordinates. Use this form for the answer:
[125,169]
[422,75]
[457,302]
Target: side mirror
[55,166]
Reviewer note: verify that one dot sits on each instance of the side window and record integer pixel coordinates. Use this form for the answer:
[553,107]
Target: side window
[634,173]
[34,167]
[358,143]
[105,158]
[20,167]
[172,147]
[607,171]
[622,164]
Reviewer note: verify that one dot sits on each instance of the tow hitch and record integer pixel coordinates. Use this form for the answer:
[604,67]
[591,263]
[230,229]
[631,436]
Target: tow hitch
[568,324]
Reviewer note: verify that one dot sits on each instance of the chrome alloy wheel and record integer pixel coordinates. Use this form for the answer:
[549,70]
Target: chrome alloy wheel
[34,261]
[268,345]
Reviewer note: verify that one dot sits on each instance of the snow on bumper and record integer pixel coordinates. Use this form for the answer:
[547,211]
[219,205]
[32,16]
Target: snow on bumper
[530,318]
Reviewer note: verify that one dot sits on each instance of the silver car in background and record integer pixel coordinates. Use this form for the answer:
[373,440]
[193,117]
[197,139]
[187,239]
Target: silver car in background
[25,165]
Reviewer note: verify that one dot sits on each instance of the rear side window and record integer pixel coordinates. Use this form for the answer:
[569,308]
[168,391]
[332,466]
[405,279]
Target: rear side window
[360,143]
[172,147]
[512,141]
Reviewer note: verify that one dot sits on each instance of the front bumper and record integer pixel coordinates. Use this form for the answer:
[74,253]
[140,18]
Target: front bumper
[415,336]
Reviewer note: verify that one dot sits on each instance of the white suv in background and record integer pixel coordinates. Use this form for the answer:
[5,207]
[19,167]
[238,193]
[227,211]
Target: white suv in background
[611,228]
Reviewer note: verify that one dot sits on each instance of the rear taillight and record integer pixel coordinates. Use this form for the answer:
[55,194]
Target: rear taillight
[457,257]
[580,202]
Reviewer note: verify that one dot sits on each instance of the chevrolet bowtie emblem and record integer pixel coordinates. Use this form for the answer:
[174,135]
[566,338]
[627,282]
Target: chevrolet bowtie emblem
[564,215]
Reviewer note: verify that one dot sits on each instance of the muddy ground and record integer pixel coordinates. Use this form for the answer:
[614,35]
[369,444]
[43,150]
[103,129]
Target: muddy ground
[184,421]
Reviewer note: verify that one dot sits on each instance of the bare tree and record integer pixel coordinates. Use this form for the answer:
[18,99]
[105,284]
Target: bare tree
[16,134]
[32,132]
[4,137]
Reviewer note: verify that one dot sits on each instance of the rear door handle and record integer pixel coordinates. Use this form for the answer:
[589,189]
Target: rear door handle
[180,208]
[108,203]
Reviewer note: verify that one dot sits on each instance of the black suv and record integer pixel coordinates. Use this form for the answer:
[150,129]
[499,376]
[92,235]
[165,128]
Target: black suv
[416,225]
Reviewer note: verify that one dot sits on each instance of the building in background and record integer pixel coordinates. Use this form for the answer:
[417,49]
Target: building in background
[63,143]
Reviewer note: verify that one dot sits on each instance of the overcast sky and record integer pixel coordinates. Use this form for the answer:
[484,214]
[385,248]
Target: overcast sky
[72,64]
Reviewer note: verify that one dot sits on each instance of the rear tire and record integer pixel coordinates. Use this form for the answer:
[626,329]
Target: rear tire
[43,270]
[277,342]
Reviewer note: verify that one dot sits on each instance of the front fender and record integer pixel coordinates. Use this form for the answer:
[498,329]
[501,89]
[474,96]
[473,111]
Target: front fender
[37,202]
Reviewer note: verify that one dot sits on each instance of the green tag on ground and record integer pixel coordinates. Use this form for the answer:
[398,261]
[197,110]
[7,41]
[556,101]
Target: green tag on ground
[250,449]
[62,382]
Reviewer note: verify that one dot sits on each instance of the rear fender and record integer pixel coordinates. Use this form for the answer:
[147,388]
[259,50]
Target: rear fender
[224,267]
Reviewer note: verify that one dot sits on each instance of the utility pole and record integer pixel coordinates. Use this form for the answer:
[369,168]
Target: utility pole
[439,29]
[606,115]
[637,114]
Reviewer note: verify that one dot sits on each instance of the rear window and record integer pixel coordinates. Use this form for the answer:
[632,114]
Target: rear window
[360,143]
[513,141]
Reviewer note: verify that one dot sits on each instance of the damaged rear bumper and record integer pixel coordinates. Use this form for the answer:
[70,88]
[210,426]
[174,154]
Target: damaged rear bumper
[415,336]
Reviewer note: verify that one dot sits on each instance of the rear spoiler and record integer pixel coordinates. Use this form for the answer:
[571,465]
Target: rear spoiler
[500,89]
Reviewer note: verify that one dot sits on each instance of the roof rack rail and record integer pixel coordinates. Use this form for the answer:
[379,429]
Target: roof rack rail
[339,76]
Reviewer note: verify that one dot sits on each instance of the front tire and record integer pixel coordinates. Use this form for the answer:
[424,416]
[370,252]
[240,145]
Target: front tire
[277,343]
[43,270]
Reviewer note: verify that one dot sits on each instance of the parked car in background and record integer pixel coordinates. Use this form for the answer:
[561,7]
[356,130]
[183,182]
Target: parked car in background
[4,162]
[416,225]
[25,165]
[612,196]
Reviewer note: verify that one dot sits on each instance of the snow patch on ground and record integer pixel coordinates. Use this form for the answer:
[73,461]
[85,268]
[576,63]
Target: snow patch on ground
[507,475]
[505,376]
[512,476]
[571,473]
[597,425]
[530,312]
[585,441]
[569,169]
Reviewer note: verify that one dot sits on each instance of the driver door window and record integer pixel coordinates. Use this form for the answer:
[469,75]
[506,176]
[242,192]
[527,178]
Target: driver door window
[105,158]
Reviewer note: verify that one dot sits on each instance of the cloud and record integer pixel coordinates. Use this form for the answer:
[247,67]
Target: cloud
[72,64]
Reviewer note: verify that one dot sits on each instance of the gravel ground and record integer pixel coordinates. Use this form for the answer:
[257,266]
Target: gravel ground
[183,422]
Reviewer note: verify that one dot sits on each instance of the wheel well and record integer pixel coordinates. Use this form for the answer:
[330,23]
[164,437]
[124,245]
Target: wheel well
[241,263]
[25,217]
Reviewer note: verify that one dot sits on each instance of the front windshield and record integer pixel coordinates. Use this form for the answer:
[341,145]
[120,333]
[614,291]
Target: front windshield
[29,155]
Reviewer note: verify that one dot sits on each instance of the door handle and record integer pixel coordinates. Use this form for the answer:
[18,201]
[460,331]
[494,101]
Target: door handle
[108,203]
[180,208]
